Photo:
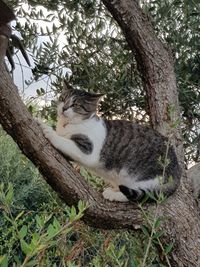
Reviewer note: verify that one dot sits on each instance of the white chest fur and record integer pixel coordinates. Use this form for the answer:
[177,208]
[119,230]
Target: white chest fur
[92,128]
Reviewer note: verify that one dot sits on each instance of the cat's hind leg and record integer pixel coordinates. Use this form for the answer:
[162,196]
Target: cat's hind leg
[132,194]
[113,195]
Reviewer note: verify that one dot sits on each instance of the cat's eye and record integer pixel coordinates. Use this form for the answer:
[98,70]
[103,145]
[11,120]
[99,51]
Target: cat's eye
[61,98]
[76,105]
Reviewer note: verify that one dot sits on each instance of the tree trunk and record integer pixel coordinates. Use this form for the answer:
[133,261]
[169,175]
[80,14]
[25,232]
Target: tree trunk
[71,187]
[194,176]
[155,64]
[157,70]
[183,224]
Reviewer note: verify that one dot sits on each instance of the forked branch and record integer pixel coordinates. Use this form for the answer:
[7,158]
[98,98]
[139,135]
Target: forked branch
[160,85]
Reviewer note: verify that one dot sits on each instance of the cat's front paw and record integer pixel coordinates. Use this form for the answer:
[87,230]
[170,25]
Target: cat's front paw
[112,195]
[48,132]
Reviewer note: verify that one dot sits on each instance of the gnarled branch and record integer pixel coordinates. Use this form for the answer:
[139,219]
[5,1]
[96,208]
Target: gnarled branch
[183,221]
[155,64]
[59,173]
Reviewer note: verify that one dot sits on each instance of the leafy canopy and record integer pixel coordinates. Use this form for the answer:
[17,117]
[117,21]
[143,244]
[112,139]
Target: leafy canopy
[80,37]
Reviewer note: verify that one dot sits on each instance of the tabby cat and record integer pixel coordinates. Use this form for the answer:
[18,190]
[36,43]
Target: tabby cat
[127,155]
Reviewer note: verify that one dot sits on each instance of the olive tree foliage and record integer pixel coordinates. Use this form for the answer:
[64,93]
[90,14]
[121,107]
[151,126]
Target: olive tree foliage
[91,46]
[177,23]
[81,37]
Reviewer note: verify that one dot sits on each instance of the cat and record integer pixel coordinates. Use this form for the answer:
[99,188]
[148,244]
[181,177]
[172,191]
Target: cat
[127,155]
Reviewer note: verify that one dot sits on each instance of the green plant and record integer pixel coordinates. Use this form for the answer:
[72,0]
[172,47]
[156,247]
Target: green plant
[30,191]
[29,237]
[152,229]
[50,234]
[54,236]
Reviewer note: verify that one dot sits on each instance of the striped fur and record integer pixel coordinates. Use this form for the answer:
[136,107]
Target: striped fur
[125,154]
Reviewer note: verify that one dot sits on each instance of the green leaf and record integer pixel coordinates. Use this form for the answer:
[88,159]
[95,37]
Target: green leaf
[4,261]
[31,263]
[35,239]
[72,213]
[157,223]
[25,247]
[158,234]
[145,230]
[23,231]
[81,206]
[10,194]
[56,225]
[51,231]
[121,251]
[169,248]
[144,199]
[9,219]
[39,221]
[38,92]
[19,215]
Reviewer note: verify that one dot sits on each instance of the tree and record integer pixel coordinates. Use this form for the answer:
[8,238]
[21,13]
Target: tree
[156,66]
[94,48]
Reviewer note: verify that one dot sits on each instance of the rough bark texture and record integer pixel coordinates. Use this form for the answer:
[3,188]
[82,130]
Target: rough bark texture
[157,70]
[71,187]
[194,176]
[183,224]
[7,14]
[155,64]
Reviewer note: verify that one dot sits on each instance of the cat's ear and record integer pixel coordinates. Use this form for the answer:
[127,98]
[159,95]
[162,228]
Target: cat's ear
[96,98]
[67,87]
[66,91]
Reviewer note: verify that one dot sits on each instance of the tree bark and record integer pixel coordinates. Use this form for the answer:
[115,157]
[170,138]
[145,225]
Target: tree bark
[157,70]
[156,66]
[71,187]
[7,14]
[183,224]
[194,176]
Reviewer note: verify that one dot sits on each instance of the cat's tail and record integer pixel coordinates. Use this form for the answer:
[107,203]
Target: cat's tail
[138,194]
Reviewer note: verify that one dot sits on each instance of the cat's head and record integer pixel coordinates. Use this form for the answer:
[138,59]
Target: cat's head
[76,104]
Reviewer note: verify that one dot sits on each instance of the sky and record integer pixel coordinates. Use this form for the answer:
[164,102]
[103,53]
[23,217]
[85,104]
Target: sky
[22,71]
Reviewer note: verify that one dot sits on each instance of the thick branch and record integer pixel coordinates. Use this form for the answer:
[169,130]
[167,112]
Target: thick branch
[154,62]
[157,70]
[7,14]
[182,224]
[71,187]
[194,176]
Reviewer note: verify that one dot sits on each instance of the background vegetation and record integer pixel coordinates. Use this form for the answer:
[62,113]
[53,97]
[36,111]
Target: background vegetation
[37,229]
[80,41]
